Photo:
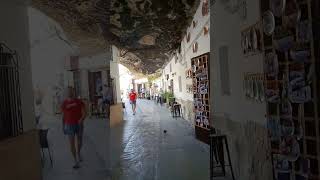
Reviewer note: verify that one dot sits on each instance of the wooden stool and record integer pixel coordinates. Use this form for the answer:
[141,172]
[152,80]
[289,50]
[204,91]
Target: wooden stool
[217,143]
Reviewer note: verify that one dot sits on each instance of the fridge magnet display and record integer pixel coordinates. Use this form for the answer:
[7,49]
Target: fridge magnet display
[289,147]
[268,22]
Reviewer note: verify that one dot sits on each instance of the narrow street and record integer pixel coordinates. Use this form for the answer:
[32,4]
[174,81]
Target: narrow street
[147,152]
[140,150]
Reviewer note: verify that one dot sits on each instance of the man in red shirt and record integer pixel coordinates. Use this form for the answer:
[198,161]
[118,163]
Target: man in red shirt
[133,100]
[73,110]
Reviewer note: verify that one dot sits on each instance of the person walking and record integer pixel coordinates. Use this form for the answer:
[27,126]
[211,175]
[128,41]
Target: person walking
[133,100]
[107,99]
[74,113]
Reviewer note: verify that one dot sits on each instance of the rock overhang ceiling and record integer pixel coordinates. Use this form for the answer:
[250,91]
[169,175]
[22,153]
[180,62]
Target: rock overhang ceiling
[145,31]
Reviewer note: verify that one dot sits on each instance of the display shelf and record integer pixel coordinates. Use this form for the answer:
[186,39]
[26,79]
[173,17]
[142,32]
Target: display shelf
[201,85]
[305,114]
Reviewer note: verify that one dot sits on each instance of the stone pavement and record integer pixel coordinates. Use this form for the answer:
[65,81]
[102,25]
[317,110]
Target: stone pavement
[139,149]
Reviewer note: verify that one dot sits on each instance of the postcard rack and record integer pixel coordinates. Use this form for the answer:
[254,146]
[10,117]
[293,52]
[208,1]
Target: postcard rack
[201,96]
[291,86]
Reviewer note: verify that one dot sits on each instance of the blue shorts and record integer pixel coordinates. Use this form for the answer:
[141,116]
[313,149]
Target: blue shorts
[73,129]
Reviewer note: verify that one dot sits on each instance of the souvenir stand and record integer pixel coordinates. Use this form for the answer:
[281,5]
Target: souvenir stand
[200,79]
[291,51]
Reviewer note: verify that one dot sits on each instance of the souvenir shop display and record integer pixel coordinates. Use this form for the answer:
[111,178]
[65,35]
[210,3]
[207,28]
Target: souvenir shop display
[291,88]
[201,96]
[251,41]
[272,92]
[253,87]
[271,65]
[274,128]
[189,73]
[189,88]
[268,23]
[289,148]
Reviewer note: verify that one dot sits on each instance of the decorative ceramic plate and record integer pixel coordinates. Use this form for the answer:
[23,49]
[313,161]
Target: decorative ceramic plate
[268,23]
[290,148]
[287,127]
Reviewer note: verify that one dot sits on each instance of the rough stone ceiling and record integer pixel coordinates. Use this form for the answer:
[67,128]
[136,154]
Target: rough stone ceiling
[145,31]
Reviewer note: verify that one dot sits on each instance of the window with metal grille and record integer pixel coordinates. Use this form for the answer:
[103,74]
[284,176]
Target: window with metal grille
[10,98]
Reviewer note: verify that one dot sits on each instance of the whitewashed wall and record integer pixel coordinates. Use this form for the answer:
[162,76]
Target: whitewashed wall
[14,32]
[242,120]
[184,59]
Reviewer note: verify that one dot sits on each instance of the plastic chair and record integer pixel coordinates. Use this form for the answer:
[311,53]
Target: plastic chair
[43,135]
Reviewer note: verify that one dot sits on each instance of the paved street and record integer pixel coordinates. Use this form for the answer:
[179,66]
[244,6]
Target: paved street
[139,149]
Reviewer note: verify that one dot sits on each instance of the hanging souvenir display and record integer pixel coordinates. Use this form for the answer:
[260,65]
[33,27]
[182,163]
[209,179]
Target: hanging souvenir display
[289,147]
[271,66]
[287,127]
[300,53]
[272,91]
[268,23]
[205,7]
[194,23]
[298,91]
[205,30]
[286,110]
[253,86]
[188,37]
[274,128]
[283,39]
[195,47]
[289,30]
[251,41]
